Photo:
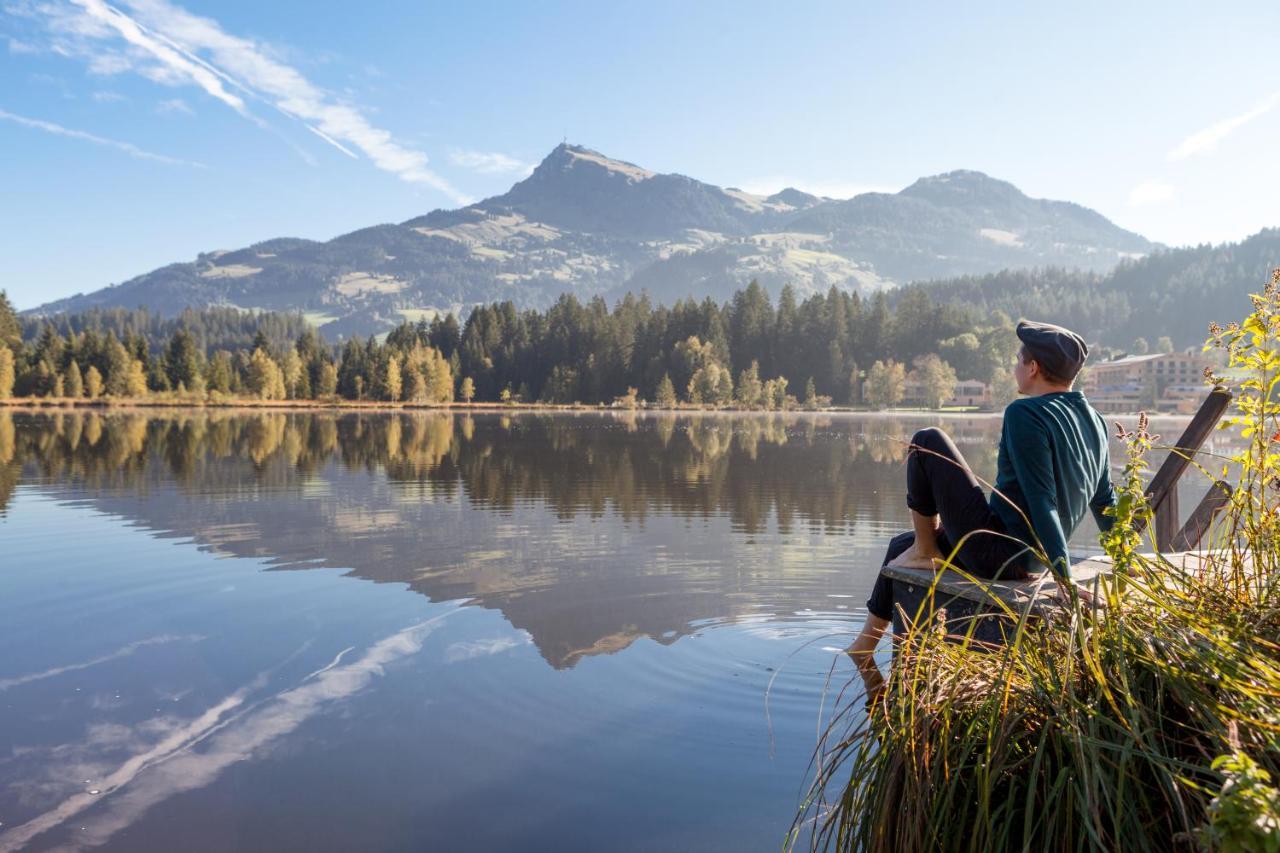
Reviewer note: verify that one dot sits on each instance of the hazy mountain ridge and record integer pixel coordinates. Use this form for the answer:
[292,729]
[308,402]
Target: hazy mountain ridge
[588,224]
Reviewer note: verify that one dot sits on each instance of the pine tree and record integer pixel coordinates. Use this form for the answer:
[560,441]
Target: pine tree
[7,373]
[665,396]
[72,381]
[750,392]
[38,381]
[135,379]
[327,383]
[10,327]
[810,394]
[440,379]
[182,359]
[92,383]
[303,391]
[263,378]
[220,371]
[118,365]
[291,369]
[415,386]
[392,383]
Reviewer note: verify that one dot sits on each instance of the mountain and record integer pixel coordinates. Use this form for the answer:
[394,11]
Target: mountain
[591,225]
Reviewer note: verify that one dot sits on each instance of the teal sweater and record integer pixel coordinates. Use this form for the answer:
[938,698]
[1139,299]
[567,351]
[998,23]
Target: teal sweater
[1054,463]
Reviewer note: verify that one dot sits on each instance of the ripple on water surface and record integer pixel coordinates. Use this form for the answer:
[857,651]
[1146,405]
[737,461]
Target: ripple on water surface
[610,601]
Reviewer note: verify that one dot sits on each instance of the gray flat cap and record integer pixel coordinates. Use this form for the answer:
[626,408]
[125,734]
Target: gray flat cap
[1059,351]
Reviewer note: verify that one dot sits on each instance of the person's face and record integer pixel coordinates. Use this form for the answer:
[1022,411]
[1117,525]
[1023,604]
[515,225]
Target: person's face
[1024,371]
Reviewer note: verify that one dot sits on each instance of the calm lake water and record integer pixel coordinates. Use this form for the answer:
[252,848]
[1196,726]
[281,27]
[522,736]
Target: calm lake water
[430,631]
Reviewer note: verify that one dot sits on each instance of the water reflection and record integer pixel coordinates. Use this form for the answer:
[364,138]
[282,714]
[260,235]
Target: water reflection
[492,508]
[395,498]
[158,695]
[630,462]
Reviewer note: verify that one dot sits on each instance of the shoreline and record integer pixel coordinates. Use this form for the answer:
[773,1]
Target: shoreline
[124,404]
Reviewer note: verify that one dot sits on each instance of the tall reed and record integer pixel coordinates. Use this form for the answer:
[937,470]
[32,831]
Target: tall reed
[1149,720]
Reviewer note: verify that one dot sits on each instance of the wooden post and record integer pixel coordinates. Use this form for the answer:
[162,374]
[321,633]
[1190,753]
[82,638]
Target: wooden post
[1162,493]
[1188,538]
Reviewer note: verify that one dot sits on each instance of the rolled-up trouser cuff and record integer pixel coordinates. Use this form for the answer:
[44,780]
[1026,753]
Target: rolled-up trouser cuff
[916,505]
[881,601]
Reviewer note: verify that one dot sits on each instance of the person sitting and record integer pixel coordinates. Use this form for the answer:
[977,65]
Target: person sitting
[1053,465]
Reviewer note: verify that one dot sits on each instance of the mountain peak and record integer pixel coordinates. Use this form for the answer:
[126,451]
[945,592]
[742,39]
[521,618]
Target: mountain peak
[964,186]
[793,197]
[566,158]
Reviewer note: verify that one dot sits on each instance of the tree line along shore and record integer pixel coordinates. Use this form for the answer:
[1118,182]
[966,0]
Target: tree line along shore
[832,349]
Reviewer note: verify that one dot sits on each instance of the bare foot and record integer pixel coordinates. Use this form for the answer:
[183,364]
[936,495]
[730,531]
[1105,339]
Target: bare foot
[914,559]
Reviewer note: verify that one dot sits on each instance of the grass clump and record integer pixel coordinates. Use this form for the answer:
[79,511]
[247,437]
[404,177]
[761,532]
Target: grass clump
[1147,721]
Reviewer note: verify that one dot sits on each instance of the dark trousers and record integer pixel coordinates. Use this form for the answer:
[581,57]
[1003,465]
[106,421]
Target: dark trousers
[939,482]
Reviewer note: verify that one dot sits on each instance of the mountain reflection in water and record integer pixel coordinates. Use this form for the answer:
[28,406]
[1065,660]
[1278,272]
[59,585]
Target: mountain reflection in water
[606,600]
[393,498]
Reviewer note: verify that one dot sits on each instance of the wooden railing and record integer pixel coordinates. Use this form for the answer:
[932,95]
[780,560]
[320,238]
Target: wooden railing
[1162,493]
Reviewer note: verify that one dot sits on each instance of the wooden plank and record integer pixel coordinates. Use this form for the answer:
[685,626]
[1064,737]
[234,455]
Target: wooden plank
[972,608]
[1202,516]
[1037,590]
[1165,517]
[1162,491]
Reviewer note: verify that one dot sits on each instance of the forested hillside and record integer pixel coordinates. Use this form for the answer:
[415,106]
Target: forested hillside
[1171,292]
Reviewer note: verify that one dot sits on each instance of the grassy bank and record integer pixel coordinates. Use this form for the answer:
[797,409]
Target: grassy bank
[1150,721]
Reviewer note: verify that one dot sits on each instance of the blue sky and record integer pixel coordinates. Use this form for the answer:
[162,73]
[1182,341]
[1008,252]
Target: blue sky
[140,133]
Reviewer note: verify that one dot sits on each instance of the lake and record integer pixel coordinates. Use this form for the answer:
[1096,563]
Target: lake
[431,631]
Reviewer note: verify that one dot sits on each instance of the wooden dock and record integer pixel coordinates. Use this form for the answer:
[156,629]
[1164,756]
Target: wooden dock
[921,593]
[980,607]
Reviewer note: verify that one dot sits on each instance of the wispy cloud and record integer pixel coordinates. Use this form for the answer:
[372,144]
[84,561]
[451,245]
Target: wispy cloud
[171,46]
[484,648]
[108,97]
[1150,192]
[21,47]
[235,729]
[122,652]
[127,147]
[489,163]
[175,105]
[1208,139]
